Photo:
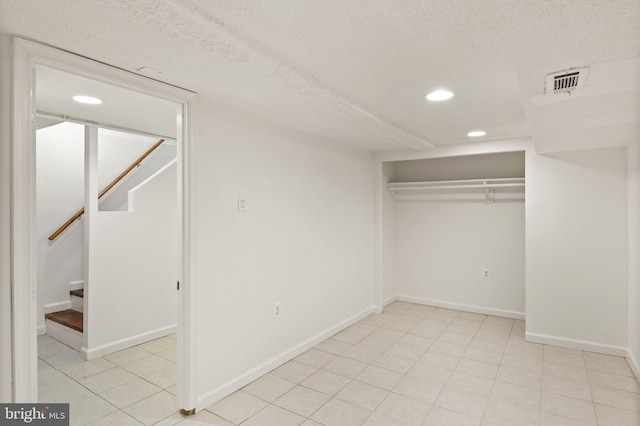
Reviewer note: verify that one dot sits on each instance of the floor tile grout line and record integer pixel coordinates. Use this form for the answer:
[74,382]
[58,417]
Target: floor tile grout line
[595,412]
[115,365]
[414,363]
[443,387]
[388,391]
[399,317]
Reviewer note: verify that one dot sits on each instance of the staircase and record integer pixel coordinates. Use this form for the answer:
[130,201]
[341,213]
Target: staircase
[64,316]
[67,325]
[69,318]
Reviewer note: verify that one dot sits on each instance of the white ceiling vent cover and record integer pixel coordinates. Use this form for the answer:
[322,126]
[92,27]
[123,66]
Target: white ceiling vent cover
[566,81]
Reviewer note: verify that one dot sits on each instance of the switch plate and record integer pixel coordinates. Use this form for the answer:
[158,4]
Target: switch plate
[276,310]
[242,203]
[486,272]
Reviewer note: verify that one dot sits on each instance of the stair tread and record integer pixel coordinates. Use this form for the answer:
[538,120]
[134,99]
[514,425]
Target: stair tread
[78,293]
[69,318]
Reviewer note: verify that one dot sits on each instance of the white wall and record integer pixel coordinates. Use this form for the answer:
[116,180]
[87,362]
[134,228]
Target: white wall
[5,224]
[305,241]
[389,287]
[59,194]
[633,155]
[576,249]
[131,292]
[442,247]
[118,196]
[116,151]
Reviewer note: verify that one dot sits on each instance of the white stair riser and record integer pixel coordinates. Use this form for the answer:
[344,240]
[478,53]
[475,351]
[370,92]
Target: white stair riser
[77,303]
[76,285]
[64,334]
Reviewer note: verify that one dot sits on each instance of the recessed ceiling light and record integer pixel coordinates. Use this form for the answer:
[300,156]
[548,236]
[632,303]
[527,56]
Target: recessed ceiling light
[87,100]
[439,95]
[476,133]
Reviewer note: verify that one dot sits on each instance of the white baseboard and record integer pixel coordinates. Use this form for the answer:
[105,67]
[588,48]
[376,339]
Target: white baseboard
[377,309]
[462,307]
[76,285]
[388,300]
[57,307]
[118,345]
[584,345]
[633,363]
[253,374]
[64,334]
[42,330]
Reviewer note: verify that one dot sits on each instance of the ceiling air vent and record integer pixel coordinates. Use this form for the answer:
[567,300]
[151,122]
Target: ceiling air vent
[566,81]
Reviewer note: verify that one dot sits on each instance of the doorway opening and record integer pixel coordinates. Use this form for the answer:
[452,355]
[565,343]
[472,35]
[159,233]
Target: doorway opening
[120,266]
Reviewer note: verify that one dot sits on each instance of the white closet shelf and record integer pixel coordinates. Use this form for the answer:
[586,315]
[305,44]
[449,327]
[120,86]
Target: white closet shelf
[457,184]
[488,186]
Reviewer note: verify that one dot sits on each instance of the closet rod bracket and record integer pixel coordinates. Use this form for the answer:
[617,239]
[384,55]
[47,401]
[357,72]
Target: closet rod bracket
[489,193]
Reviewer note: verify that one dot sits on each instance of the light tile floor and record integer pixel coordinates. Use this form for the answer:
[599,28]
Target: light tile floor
[134,386]
[421,365]
[411,365]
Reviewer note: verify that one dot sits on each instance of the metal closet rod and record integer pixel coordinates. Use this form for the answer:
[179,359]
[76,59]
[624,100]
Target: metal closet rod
[458,184]
[108,126]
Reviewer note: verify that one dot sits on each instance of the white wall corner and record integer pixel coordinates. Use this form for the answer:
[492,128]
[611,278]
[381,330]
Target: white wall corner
[584,345]
[388,301]
[231,386]
[378,309]
[633,217]
[633,363]
[378,280]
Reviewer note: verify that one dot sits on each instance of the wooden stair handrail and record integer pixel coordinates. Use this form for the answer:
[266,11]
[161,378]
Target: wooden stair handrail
[106,189]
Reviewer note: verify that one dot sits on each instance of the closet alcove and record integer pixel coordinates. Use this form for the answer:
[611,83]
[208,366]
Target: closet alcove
[457,229]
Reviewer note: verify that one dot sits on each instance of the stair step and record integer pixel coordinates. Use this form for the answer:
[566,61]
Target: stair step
[69,318]
[79,293]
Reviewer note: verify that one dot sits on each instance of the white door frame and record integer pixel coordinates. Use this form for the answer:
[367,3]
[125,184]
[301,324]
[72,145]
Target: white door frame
[26,56]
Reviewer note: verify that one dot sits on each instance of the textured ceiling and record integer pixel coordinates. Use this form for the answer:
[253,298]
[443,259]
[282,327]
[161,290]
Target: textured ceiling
[356,71]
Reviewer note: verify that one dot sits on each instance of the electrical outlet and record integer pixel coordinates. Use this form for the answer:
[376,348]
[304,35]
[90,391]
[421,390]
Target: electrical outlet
[242,203]
[486,272]
[276,310]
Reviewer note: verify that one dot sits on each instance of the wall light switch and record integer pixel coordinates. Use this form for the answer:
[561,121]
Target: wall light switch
[242,203]
[486,272]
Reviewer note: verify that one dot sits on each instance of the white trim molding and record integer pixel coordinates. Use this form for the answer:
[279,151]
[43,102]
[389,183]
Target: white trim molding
[26,56]
[634,364]
[262,369]
[76,285]
[23,256]
[378,309]
[388,301]
[462,307]
[57,306]
[584,345]
[127,343]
